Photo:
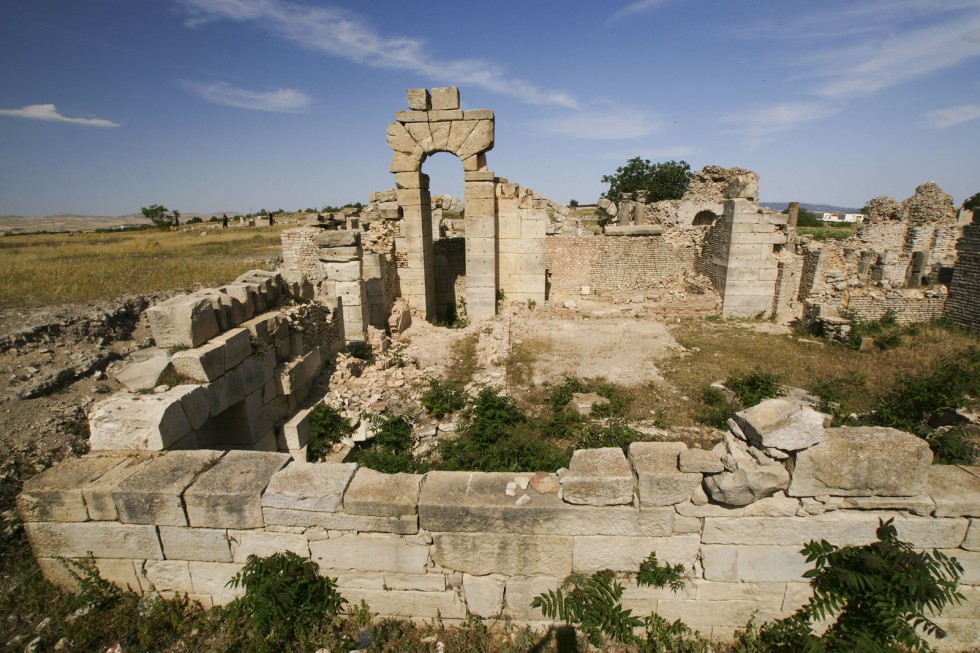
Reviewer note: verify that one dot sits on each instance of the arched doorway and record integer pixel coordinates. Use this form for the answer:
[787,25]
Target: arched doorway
[705,218]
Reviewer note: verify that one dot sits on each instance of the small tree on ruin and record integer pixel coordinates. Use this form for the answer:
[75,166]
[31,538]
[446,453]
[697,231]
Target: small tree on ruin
[662,181]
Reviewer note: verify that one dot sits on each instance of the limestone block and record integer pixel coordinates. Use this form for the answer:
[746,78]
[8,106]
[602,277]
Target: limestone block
[479,140]
[422,133]
[225,391]
[921,505]
[782,424]
[778,505]
[484,595]
[401,162]
[186,321]
[370,553]
[493,553]
[459,131]
[658,480]
[477,502]
[633,230]
[205,544]
[339,521]
[382,495]
[56,493]
[144,374]
[411,116]
[211,578]
[863,461]
[770,594]
[103,539]
[702,614]
[202,364]
[98,492]
[440,130]
[263,544]
[955,490]
[415,582]
[154,494]
[445,98]
[355,580]
[972,540]
[419,99]
[699,460]
[591,554]
[296,431]
[400,140]
[521,590]
[121,572]
[239,302]
[167,576]
[598,477]
[478,114]
[194,400]
[739,564]
[316,487]
[229,494]
[150,422]
[419,605]
[339,238]
[348,271]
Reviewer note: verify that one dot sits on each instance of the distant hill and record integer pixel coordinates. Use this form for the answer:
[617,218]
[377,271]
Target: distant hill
[816,208]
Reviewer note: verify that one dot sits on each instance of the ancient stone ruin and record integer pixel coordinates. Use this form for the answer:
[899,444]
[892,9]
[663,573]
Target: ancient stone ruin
[186,481]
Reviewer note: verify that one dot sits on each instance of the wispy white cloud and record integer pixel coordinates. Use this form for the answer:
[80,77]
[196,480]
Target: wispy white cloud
[952,116]
[283,100]
[633,8]
[654,154]
[49,113]
[760,125]
[344,34]
[603,123]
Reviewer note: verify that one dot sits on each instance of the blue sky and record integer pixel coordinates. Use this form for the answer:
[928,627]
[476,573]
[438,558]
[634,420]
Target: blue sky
[221,105]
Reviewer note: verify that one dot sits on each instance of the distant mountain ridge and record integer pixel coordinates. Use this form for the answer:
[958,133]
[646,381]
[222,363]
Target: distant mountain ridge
[816,208]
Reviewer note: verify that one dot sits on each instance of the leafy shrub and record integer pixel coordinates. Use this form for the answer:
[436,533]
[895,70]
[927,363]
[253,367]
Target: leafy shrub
[716,408]
[615,432]
[754,387]
[93,590]
[390,451]
[878,596]
[658,575]
[285,598]
[663,636]
[592,603]
[442,398]
[955,446]
[327,426]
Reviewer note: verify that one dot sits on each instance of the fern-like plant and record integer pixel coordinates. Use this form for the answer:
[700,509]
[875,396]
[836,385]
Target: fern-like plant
[658,575]
[592,604]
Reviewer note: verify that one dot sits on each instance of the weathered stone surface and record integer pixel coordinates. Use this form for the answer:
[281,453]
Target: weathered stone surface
[205,544]
[748,483]
[478,140]
[591,554]
[420,605]
[154,494]
[167,576]
[598,477]
[183,321]
[921,505]
[778,505]
[491,553]
[370,553]
[478,502]
[415,582]
[264,543]
[582,402]
[229,495]
[382,495]
[521,590]
[202,364]
[98,493]
[340,238]
[150,422]
[658,480]
[955,490]
[863,461]
[633,230]
[484,594]
[419,99]
[782,424]
[972,540]
[144,374]
[339,521]
[105,539]
[702,614]
[212,578]
[545,483]
[316,487]
[735,564]
[699,460]
[56,493]
[445,98]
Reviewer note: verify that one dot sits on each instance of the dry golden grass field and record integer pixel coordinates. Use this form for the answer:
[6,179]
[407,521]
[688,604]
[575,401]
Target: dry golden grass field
[43,269]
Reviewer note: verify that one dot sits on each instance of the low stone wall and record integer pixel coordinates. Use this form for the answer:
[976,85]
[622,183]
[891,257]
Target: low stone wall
[908,306]
[449,544]
[611,264]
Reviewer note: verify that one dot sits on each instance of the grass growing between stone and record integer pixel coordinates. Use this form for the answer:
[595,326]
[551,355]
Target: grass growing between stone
[45,269]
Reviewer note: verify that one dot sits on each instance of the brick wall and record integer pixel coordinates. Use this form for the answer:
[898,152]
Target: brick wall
[963,306]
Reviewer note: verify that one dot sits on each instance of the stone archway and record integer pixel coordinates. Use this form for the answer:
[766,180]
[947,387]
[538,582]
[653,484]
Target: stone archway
[435,123]
[704,218]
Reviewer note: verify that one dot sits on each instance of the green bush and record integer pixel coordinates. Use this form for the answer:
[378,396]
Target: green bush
[362,351]
[285,599]
[955,446]
[877,598]
[614,432]
[754,387]
[327,426]
[442,398]
[716,408]
[390,451]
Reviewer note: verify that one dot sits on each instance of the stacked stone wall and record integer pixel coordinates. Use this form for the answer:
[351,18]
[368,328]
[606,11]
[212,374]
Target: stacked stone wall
[907,308]
[450,273]
[712,249]
[963,305]
[522,219]
[611,264]
[452,544]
